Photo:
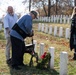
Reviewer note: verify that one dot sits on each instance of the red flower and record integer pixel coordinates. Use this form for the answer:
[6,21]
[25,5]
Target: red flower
[43,56]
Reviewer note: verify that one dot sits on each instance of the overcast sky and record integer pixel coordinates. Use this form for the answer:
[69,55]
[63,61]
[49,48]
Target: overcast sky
[17,4]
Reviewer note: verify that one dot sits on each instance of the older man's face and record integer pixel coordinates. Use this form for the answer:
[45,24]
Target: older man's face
[10,10]
[33,16]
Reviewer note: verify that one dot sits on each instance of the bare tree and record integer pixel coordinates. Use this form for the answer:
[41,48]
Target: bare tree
[44,8]
[56,7]
[25,1]
[40,3]
[49,6]
[29,5]
[64,6]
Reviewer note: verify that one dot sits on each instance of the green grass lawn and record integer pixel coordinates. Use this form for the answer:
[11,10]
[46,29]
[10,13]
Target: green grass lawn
[60,44]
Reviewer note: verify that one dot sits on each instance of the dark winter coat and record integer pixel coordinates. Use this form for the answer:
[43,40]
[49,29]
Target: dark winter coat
[73,33]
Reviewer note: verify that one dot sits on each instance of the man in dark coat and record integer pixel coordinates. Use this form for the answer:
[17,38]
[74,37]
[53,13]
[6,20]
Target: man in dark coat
[73,33]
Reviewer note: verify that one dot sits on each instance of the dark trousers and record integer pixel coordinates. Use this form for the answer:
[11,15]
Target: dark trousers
[18,47]
[75,50]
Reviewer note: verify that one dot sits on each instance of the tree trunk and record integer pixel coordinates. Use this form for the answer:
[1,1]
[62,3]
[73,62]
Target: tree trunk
[49,4]
[56,7]
[29,5]
[75,2]
[44,8]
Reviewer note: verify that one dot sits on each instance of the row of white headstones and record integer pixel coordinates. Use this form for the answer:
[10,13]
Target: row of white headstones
[63,55]
[55,19]
[63,58]
[49,30]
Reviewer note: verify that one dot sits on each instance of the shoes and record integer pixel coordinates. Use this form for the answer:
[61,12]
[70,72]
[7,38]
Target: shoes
[16,68]
[22,65]
[74,58]
[9,61]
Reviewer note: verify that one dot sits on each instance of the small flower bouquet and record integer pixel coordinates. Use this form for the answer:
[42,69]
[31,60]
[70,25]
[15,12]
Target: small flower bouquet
[44,62]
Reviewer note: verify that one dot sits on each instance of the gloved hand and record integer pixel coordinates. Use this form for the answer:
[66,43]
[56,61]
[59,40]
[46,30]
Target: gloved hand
[31,34]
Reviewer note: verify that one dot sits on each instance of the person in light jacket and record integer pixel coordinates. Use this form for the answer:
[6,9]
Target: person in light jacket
[9,20]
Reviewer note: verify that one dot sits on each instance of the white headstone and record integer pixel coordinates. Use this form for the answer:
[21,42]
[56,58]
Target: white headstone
[39,27]
[57,19]
[42,28]
[35,47]
[40,18]
[54,19]
[51,50]
[41,49]
[44,19]
[51,18]
[50,30]
[64,19]
[63,63]
[67,33]
[46,29]
[60,31]
[55,30]
[68,21]
[61,19]
[48,19]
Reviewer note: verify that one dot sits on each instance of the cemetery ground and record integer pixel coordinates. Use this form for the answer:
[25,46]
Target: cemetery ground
[60,44]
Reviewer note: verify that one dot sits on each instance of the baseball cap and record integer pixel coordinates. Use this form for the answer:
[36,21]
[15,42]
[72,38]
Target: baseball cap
[35,13]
